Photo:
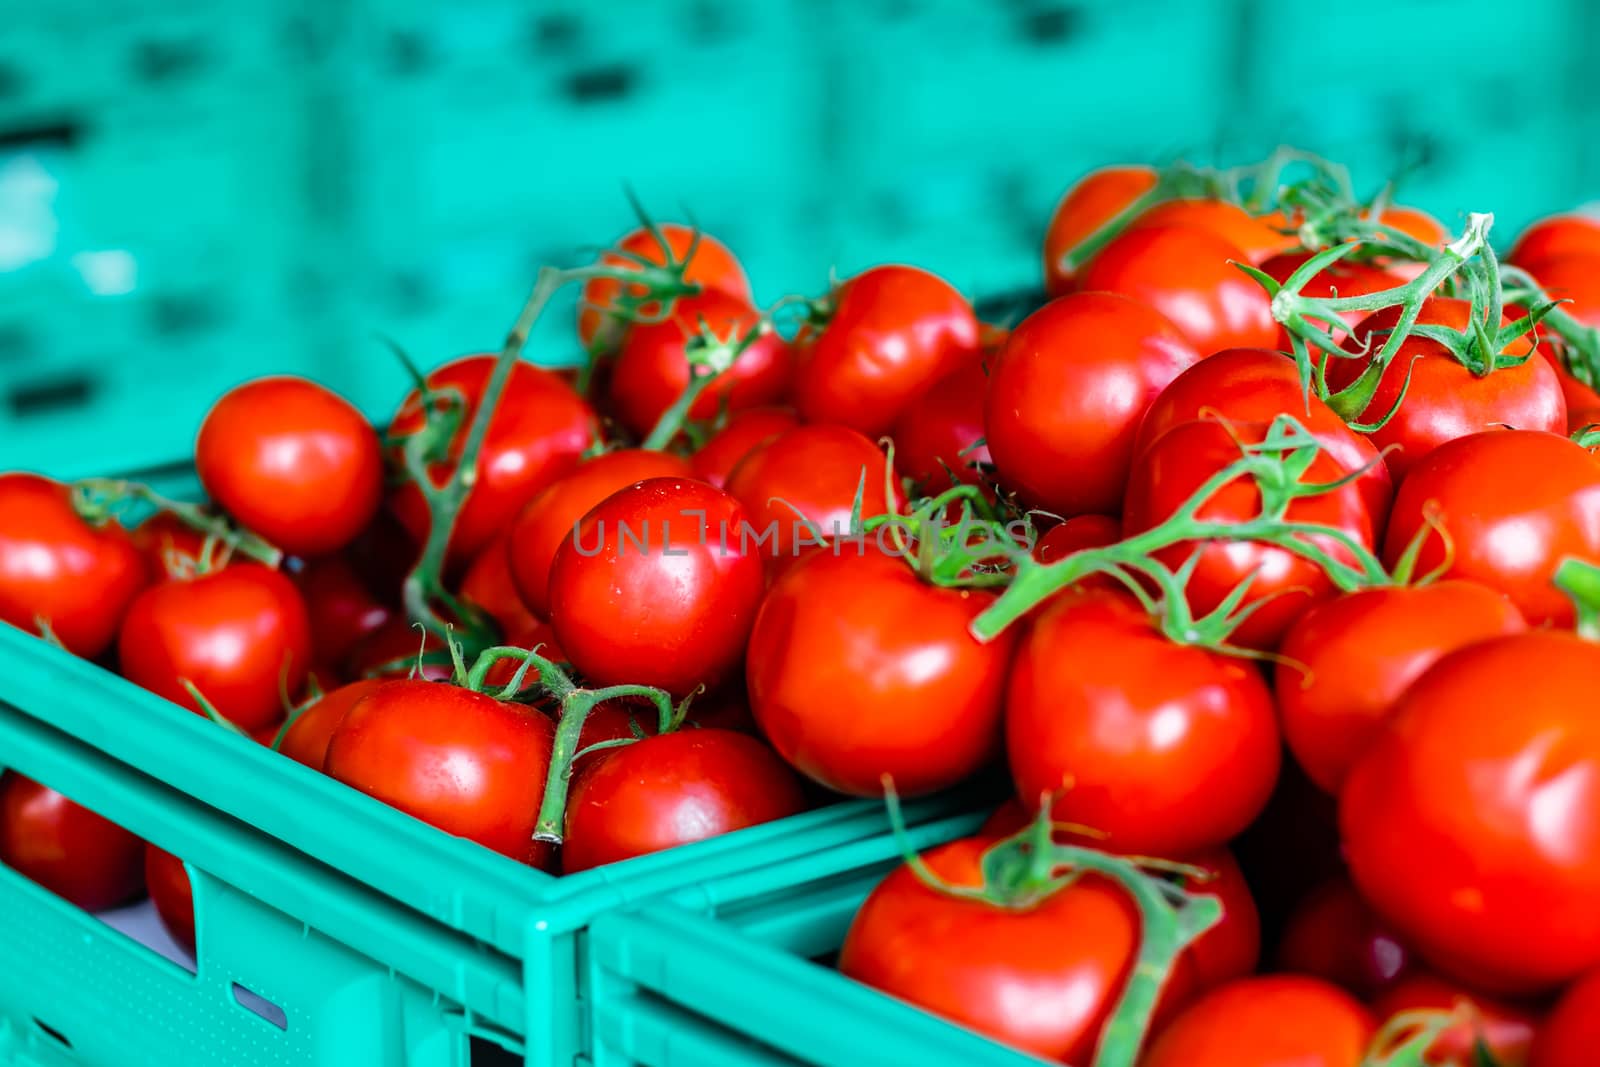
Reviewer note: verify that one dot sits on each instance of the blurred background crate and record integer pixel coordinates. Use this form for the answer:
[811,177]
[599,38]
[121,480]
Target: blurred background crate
[193,192]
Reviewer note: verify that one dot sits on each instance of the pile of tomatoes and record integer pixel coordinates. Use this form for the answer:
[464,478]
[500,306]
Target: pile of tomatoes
[1255,556]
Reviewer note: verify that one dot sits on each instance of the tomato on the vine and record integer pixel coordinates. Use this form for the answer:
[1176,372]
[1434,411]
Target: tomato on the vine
[941,433]
[712,267]
[743,433]
[1075,535]
[394,649]
[165,539]
[75,853]
[887,334]
[1502,1029]
[171,892]
[488,585]
[292,461]
[1344,277]
[306,740]
[1066,393]
[1333,934]
[57,570]
[341,609]
[1557,235]
[1256,236]
[1099,197]
[1267,1021]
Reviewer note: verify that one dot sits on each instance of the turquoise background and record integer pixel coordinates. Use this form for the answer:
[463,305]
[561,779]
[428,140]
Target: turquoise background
[192,191]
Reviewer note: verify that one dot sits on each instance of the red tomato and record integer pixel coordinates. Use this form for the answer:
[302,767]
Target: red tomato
[1477,835]
[1275,1020]
[383,555]
[307,739]
[1167,749]
[1099,197]
[1575,279]
[1512,505]
[239,635]
[171,893]
[462,761]
[1257,385]
[1444,399]
[1174,468]
[857,668]
[550,519]
[1066,394]
[1256,236]
[744,432]
[489,585]
[1044,979]
[1571,1032]
[1558,235]
[70,850]
[341,609]
[1342,278]
[57,569]
[942,432]
[1075,535]
[652,371]
[1415,223]
[292,461]
[670,790]
[657,587]
[391,651]
[800,487]
[1187,274]
[1346,661]
[164,539]
[712,267]
[1505,1030]
[1332,934]
[891,333]
[537,434]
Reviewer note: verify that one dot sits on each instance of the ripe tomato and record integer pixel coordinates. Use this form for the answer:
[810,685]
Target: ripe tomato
[1478,835]
[1075,535]
[392,650]
[1574,279]
[1187,274]
[1512,504]
[1044,978]
[652,370]
[1505,1030]
[657,586]
[744,432]
[306,740]
[462,761]
[1558,235]
[1167,749]
[57,569]
[164,539]
[1414,223]
[1066,394]
[383,555]
[550,518]
[1268,1021]
[942,432]
[1174,468]
[489,585]
[240,635]
[890,333]
[1343,278]
[857,668]
[168,881]
[1571,1032]
[1346,661]
[669,790]
[73,852]
[1257,385]
[800,487]
[1099,197]
[1333,934]
[1444,399]
[292,461]
[341,609]
[1257,237]
[712,267]
[537,434]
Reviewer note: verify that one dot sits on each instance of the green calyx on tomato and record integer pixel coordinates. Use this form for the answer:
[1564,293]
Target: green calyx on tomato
[96,500]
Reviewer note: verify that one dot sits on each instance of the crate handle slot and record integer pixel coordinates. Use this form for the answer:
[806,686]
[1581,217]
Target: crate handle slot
[258,1005]
[50,1031]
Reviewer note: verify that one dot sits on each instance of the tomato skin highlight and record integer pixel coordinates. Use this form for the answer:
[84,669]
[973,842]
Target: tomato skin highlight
[669,790]
[744,432]
[239,635]
[1186,274]
[458,760]
[1512,504]
[1043,979]
[1066,395]
[306,740]
[941,432]
[73,852]
[1266,1021]
[1332,934]
[892,333]
[1571,1032]
[672,609]
[1477,835]
[56,567]
[712,266]
[537,434]
[172,894]
[292,461]
[1347,660]
[857,668]
[1506,1030]
[1195,750]
[548,520]
[1099,197]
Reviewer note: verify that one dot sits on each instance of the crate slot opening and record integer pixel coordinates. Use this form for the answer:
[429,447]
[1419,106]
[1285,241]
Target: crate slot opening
[259,1005]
